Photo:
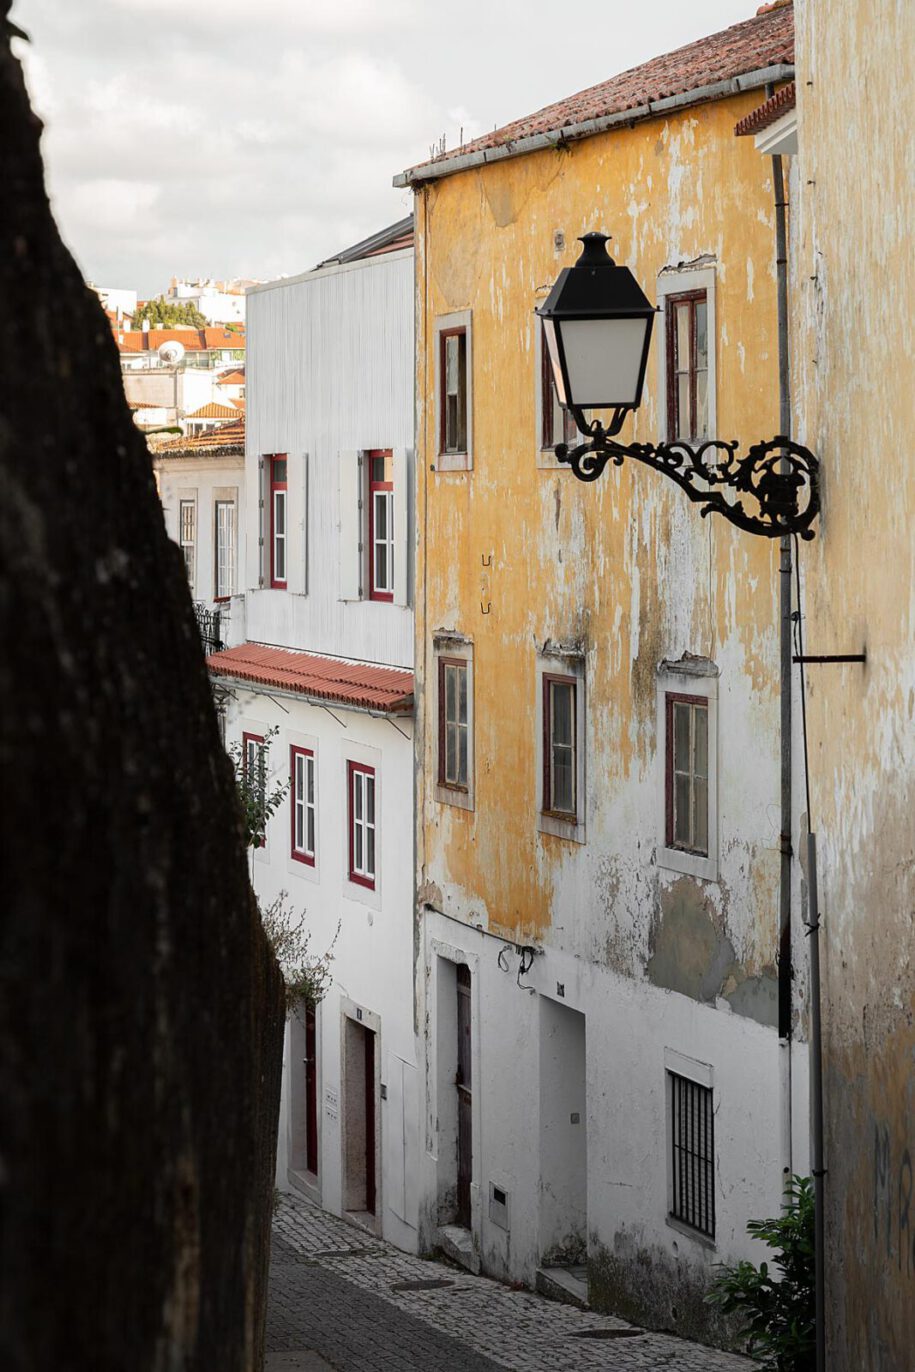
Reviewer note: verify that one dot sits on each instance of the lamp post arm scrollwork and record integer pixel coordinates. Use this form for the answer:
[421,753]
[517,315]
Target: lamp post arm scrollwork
[780,476]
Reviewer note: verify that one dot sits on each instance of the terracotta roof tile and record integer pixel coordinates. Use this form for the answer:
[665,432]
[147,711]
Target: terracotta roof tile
[388,689]
[765,40]
[225,441]
[233,378]
[193,340]
[212,411]
[767,113]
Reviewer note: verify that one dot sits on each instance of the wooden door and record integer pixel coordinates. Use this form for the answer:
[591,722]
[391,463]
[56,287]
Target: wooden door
[369,1040]
[311,1091]
[464,1084]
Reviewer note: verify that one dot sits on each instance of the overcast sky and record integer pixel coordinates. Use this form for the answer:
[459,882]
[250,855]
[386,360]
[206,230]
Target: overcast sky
[254,137]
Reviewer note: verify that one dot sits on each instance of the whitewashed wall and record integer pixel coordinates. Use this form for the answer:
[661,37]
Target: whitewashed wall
[329,372]
[373,954]
[200,479]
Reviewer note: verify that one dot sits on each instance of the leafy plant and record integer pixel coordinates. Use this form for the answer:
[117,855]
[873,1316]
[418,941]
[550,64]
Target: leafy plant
[775,1308]
[307,975]
[257,801]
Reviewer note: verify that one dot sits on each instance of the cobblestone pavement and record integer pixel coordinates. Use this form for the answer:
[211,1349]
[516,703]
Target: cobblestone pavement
[340,1298]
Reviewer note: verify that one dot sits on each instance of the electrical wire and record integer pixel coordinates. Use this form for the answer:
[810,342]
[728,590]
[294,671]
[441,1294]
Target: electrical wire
[799,644]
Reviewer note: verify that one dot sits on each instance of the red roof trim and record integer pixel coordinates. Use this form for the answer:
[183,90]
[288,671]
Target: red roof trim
[386,689]
[767,113]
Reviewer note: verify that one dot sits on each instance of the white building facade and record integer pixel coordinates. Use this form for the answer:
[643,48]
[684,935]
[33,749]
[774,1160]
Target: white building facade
[324,682]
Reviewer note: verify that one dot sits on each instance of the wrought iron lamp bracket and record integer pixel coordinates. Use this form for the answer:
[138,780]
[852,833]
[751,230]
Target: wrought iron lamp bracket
[780,476]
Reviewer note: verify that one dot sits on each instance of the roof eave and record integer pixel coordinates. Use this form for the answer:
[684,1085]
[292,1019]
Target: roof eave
[718,90]
[404,706]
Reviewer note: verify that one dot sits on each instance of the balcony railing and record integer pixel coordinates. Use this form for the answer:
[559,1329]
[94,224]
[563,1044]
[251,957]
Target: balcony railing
[210,624]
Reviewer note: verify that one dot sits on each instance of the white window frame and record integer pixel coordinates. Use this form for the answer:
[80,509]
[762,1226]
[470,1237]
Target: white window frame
[445,323]
[297,866]
[702,1073]
[695,677]
[678,281]
[361,782]
[304,762]
[560,660]
[453,645]
[188,501]
[225,540]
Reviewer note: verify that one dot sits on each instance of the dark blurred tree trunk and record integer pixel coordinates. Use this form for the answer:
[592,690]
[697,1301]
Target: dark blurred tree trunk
[141,1011]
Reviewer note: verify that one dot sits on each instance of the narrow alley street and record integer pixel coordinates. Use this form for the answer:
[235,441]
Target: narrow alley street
[343,1300]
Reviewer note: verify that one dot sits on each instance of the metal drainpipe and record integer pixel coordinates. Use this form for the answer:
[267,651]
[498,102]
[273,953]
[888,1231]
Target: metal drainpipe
[785,973]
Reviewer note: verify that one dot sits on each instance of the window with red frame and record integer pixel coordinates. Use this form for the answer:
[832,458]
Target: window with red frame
[687,785]
[362,856]
[303,811]
[687,365]
[556,424]
[560,746]
[278,521]
[381,524]
[254,772]
[453,373]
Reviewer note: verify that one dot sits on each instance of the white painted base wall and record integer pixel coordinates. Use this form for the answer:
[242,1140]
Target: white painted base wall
[372,967]
[614,1161]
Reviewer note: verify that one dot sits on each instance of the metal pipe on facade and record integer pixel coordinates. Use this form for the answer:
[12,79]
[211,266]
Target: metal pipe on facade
[816,1103]
[785,968]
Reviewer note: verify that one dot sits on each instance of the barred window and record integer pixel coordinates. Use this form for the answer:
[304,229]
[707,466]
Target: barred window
[692,1154]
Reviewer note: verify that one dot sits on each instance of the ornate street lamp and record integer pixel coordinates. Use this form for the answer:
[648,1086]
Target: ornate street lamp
[597,322]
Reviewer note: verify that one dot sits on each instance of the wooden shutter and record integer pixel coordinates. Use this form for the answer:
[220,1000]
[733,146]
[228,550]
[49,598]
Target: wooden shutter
[403,526]
[261,521]
[349,524]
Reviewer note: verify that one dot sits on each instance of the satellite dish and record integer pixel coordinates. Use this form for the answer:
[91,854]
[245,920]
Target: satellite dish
[170,351]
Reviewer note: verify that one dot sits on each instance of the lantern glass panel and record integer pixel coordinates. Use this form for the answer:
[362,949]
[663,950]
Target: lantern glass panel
[604,360]
[549,333]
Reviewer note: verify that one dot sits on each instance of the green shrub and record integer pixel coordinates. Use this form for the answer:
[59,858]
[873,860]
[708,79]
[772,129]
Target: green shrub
[775,1308]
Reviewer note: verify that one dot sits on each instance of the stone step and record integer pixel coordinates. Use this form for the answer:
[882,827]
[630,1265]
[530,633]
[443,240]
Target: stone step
[566,1284]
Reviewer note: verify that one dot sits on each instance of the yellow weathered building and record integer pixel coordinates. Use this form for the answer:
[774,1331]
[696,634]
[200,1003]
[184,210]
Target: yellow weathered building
[607,1096]
[854,288]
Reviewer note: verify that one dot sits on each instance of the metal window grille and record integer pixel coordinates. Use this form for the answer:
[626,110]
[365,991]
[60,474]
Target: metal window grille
[692,1154]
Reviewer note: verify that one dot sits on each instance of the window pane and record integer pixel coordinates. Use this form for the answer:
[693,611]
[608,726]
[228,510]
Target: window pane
[279,471]
[381,566]
[370,852]
[279,513]
[701,334]
[450,752]
[381,514]
[357,795]
[563,780]
[700,815]
[462,757]
[681,737]
[310,774]
[370,799]
[684,427]
[682,337]
[357,848]
[310,845]
[563,712]
[701,405]
[700,740]
[378,469]
[451,364]
[682,835]
[462,694]
[450,694]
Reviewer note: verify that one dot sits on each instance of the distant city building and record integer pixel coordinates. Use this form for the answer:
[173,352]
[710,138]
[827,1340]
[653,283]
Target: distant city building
[221,302]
